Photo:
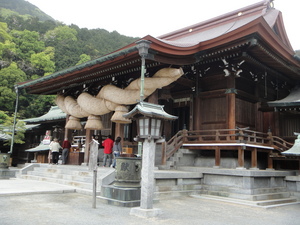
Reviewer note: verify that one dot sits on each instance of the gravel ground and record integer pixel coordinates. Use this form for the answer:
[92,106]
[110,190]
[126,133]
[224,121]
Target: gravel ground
[74,208]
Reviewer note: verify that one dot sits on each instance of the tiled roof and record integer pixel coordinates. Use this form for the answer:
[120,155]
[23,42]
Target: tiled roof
[54,113]
[293,99]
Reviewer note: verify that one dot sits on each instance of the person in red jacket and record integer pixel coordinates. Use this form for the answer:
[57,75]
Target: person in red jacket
[108,145]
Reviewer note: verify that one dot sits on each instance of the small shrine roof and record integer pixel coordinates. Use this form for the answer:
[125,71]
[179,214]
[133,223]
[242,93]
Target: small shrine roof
[150,110]
[55,113]
[293,99]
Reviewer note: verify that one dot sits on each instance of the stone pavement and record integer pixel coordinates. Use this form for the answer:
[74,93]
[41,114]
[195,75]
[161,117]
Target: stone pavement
[28,202]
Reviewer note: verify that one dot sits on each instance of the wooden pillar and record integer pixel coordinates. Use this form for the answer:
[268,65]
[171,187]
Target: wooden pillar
[231,111]
[217,157]
[119,130]
[241,159]
[197,111]
[254,158]
[270,162]
[68,134]
[231,92]
[87,146]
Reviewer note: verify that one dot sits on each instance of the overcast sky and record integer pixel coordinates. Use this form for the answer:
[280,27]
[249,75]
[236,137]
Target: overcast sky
[138,18]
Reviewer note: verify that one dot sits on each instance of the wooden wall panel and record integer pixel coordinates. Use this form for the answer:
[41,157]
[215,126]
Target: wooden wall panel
[213,113]
[288,125]
[245,113]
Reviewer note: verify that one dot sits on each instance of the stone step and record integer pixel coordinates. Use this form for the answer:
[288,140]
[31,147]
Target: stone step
[76,177]
[174,194]
[274,202]
[234,190]
[77,184]
[189,187]
[120,203]
[260,197]
[263,204]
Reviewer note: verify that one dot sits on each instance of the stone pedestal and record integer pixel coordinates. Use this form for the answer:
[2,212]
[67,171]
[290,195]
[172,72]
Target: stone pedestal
[128,174]
[147,184]
[146,213]
[6,173]
[120,196]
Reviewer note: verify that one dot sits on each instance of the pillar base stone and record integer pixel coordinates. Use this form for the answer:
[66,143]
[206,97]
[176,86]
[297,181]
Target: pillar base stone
[146,213]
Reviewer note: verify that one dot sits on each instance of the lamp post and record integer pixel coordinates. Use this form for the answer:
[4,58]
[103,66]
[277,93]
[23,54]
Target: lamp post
[149,119]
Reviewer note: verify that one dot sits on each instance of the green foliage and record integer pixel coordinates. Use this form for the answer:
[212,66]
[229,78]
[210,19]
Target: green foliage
[27,43]
[4,36]
[36,105]
[33,45]
[6,127]
[3,118]
[43,60]
[8,78]
[24,8]
[83,58]
[60,34]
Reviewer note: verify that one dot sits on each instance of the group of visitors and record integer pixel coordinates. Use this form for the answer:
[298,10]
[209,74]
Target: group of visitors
[112,150]
[55,148]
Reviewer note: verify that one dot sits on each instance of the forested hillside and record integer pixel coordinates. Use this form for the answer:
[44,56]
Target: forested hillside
[33,45]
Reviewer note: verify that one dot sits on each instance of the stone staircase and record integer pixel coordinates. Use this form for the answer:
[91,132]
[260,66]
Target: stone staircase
[78,177]
[263,197]
[183,156]
[190,181]
[174,183]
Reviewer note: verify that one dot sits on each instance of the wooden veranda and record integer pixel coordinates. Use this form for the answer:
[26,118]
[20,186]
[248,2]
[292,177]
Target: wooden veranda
[240,139]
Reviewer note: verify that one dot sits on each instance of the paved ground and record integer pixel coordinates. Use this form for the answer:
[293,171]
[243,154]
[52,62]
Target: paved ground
[27,202]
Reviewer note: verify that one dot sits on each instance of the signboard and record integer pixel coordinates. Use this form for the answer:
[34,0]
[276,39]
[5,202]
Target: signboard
[47,138]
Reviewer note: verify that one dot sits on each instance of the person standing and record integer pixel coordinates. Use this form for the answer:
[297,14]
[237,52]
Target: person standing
[117,150]
[65,152]
[108,145]
[55,146]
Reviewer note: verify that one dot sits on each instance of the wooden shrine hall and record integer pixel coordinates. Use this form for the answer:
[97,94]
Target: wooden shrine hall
[217,76]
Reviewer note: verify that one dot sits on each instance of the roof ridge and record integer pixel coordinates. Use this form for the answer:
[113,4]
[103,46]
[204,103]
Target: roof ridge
[256,8]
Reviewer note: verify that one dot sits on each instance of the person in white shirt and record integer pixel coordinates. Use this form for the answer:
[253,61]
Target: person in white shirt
[54,147]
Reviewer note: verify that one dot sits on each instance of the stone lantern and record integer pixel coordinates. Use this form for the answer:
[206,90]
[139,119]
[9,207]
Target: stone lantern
[149,119]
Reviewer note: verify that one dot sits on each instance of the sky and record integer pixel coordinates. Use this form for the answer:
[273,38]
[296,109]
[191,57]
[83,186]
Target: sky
[138,18]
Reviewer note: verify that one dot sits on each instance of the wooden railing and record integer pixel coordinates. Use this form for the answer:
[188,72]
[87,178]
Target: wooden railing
[239,135]
[170,147]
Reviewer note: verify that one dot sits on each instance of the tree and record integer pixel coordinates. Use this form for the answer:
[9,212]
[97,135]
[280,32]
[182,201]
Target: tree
[28,43]
[4,36]
[43,60]
[8,78]
[60,34]
[64,40]
[83,58]
[6,127]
